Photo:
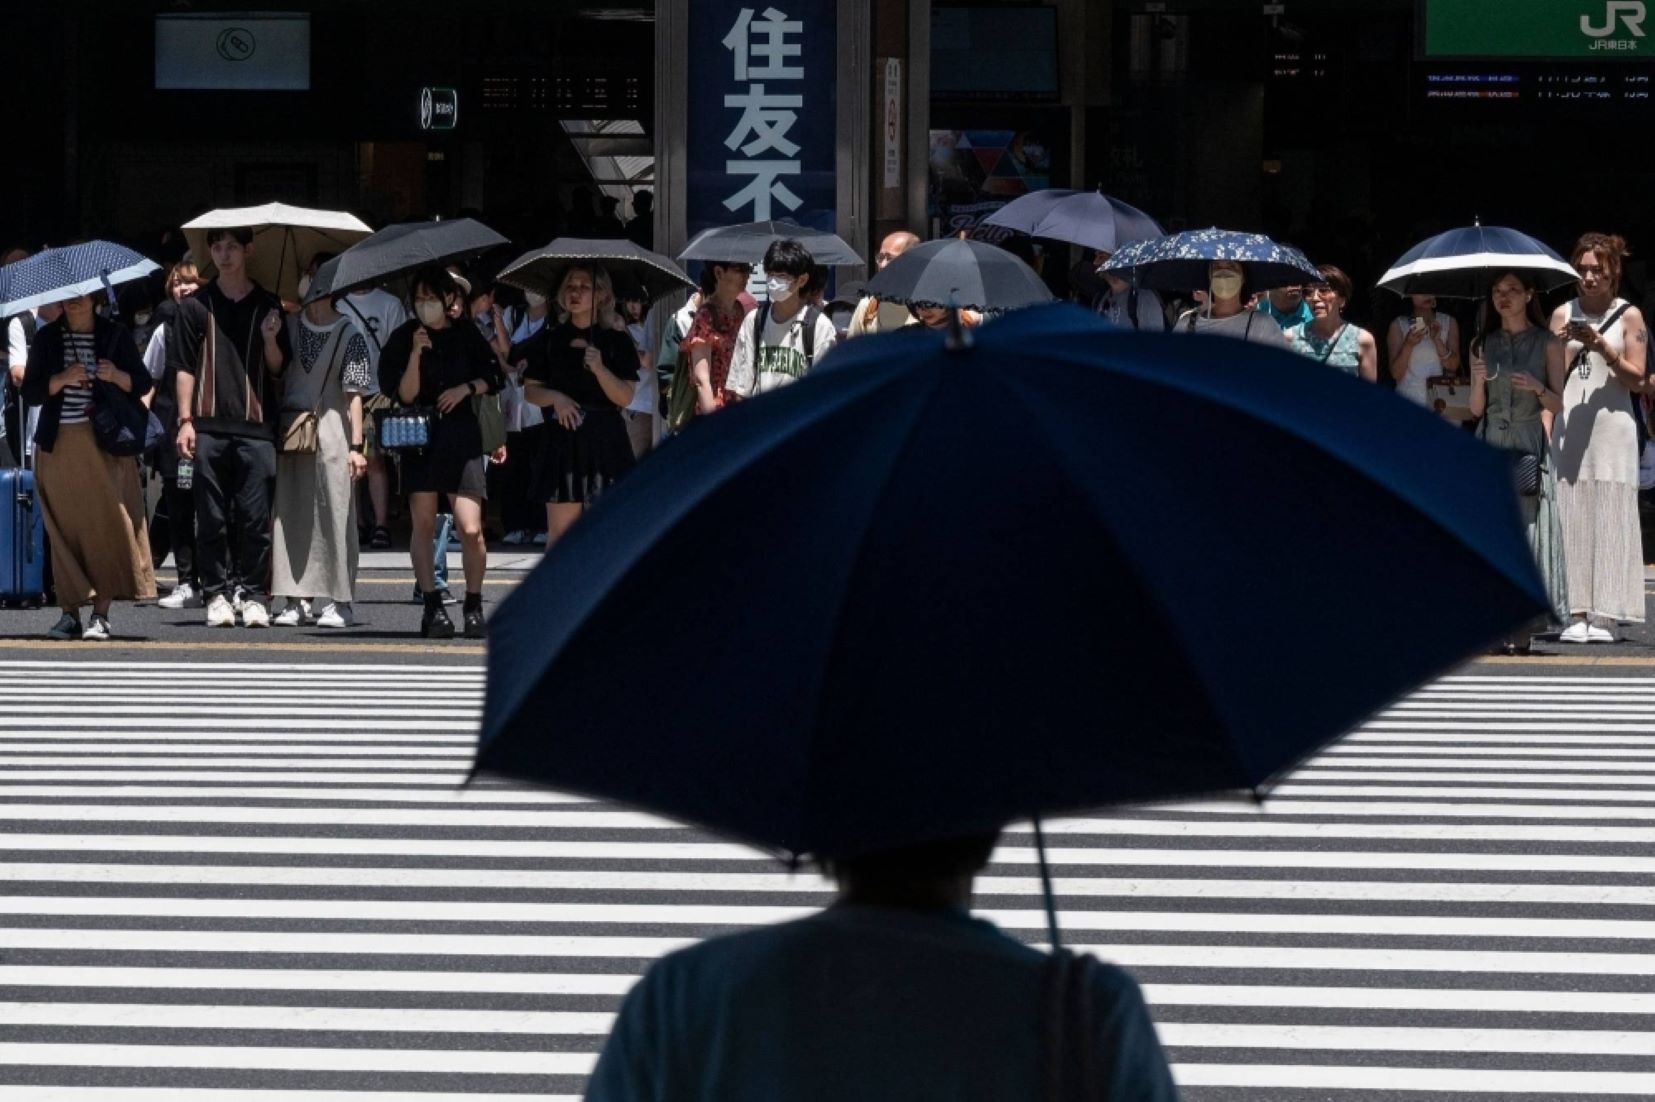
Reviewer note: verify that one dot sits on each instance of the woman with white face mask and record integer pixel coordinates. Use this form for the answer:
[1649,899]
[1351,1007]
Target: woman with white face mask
[435,363]
[1226,313]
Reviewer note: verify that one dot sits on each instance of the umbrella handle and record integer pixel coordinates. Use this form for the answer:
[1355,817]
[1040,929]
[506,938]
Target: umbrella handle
[1046,885]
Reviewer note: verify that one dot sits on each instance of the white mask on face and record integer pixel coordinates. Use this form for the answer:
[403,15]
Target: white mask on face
[431,313]
[535,299]
[779,288]
[304,285]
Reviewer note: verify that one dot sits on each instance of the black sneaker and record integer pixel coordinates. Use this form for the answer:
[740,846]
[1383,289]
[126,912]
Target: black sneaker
[67,627]
[447,596]
[475,627]
[380,539]
[436,624]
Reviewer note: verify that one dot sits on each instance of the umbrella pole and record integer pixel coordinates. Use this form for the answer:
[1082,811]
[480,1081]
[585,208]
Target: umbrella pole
[1046,886]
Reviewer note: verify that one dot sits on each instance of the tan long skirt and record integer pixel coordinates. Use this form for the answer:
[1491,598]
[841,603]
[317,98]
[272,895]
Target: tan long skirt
[95,521]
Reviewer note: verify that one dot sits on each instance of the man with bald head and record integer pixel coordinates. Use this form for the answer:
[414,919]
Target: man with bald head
[873,316]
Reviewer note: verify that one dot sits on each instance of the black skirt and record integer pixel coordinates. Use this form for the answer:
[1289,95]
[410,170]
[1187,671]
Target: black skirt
[577,467]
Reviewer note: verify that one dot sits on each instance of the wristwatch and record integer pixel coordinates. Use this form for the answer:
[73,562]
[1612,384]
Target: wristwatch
[359,449]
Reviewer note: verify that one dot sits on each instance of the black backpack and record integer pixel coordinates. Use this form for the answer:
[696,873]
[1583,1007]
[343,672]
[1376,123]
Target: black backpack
[761,317]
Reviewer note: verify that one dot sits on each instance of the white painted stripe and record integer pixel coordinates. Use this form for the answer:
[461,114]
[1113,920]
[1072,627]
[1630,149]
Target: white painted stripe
[55,699]
[1398,998]
[203,876]
[306,979]
[345,1019]
[1249,957]
[257,1094]
[439,788]
[98,671]
[686,914]
[89,721]
[300,1059]
[1487,757]
[335,816]
[1440,1082]
[456,760]
[200,742]
[284,711]
[1459,737]
[175,847]
[1534,798]
[1299,800]
[1440,832]
[1566,1042]
[1507,783]
[1534,727]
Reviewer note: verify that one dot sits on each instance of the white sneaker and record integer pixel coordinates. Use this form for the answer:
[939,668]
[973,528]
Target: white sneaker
[1578,631]
[1601,631]
[516,539]
[97,629]
[335,615]
[221,614]
[183,595]
[295,614]
[539,539]
[253,614]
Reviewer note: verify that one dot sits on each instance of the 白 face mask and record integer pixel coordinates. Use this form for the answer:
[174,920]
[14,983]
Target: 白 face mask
[304,286]
[431,313]
[534,298]
[779,290]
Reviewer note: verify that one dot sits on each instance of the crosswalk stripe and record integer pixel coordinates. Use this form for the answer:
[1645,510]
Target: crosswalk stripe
[290,888]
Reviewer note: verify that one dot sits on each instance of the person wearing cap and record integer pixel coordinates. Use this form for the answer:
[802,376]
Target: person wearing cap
[871,315]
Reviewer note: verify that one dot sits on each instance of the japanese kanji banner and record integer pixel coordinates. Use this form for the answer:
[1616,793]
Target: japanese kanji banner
[762,113]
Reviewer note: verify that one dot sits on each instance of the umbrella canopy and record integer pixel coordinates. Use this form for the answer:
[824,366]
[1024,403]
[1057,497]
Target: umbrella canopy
[746,244]
[284,240]
[959,272]
[1090,219]
[1464,263]
[926,604]
[400,250]
[542,269]
[70,271]
[1179,262]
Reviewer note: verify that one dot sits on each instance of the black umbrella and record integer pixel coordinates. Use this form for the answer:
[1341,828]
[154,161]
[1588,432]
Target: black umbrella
[542,269]
[399,250]
[746,244]
[959,272]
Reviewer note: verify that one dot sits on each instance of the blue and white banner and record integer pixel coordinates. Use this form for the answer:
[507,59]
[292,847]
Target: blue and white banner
[762,113]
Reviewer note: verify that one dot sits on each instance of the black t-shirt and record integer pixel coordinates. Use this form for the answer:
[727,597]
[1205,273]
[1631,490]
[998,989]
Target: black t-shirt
[554,362]
[458,354]
[236,393]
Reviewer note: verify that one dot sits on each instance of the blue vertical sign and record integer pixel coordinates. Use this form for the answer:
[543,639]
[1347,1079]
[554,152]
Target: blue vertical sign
[762,113]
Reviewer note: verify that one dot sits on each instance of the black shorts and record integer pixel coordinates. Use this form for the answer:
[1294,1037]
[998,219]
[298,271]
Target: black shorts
[427,473]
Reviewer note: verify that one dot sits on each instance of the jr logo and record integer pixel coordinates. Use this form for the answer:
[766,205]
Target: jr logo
[1629,12]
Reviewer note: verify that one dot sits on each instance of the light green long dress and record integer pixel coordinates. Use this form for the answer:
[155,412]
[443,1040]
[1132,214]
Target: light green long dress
[1511,420]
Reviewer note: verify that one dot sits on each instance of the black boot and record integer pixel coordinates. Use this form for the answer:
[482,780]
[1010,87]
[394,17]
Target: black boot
[474,625]
[435,624]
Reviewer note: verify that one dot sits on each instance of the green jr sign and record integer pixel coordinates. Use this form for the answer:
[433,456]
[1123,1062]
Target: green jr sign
[1596,30]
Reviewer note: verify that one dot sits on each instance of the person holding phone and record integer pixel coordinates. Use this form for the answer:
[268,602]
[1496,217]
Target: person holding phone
[1422,345]
[1596,444]
[433,362]
[90,500]
[583,372]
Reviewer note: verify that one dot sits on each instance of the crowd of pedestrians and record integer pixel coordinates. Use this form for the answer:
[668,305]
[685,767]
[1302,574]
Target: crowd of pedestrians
[267,413]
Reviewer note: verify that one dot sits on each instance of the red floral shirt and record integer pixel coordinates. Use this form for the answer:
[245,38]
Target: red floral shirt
[716,331]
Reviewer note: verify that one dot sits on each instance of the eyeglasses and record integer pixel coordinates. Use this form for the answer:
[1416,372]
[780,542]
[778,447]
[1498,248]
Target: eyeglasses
[885,258]
[1322,291]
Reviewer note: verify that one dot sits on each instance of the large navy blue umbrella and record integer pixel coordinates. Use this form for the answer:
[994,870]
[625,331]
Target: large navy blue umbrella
[53,275]
[1464,263]
[1180,262]
[1087,218]
[927,592]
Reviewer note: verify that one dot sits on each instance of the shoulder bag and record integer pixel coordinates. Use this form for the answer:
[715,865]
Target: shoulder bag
[298,430]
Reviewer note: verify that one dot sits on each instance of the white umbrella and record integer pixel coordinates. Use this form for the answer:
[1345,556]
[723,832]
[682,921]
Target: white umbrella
[284,240]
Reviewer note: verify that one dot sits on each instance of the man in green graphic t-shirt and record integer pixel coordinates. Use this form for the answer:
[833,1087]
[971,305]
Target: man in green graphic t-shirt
[780,341]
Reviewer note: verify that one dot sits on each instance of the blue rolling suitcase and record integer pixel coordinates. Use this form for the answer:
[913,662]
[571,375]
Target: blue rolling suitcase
[22,541]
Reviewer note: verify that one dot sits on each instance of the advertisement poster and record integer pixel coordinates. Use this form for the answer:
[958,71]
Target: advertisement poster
[976,172]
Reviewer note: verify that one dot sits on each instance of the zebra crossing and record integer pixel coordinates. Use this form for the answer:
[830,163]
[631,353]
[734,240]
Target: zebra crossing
[228,881]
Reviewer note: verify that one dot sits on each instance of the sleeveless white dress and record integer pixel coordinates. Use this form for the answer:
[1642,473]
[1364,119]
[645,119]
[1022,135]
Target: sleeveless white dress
[1595,447]
[1423,363]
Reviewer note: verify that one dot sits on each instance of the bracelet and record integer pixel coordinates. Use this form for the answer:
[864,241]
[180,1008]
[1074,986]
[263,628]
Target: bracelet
[359,448]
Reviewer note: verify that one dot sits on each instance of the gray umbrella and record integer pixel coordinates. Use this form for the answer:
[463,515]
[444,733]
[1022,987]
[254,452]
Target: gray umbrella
[959,272]
[746,244]
[400,250]
[542,269]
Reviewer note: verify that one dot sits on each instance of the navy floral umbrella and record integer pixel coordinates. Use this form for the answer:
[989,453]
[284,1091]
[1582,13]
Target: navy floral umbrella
[1179,262]
[54,275]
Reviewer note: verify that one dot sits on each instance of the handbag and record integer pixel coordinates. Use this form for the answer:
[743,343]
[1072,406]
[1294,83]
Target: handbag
[120,424]
[1525,472]
[404,428]
[1449,396]
[1070,1069]
[490,422]
[298,431]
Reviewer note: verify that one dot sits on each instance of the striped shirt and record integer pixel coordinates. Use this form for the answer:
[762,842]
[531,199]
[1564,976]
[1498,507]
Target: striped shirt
[78,348]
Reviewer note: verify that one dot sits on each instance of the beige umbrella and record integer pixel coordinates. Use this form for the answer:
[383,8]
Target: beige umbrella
[284,240]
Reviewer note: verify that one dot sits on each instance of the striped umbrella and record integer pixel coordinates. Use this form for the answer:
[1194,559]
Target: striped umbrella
[1464,263]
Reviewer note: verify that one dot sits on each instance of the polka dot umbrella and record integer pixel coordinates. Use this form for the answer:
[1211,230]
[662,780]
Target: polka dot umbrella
[53,275]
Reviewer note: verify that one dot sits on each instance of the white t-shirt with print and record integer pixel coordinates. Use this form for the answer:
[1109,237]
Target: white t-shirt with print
[778,357]
[1249,325]
[377,314]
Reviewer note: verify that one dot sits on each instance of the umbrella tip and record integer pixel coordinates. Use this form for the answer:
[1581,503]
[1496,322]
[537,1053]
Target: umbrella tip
[959,337]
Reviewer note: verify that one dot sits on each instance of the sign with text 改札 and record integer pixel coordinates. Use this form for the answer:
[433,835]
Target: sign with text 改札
[761,114]
[1557,29]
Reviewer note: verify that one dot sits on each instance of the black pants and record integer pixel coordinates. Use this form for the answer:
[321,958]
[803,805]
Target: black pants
[512,483]
[233,473]
[7,459]
[173,529]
